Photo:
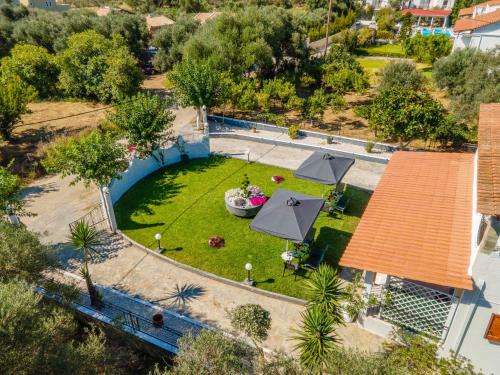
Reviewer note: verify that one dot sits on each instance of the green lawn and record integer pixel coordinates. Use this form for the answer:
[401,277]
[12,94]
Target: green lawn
[390,50]
[372,66]
[185,203]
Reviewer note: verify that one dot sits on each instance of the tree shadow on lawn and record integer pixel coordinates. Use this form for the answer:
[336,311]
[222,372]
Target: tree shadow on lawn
[336,240]
[157,189]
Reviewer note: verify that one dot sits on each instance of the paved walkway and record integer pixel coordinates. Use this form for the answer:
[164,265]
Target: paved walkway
[347,148]
[141,274]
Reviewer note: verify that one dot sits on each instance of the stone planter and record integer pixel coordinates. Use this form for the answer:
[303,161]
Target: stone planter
[241,211]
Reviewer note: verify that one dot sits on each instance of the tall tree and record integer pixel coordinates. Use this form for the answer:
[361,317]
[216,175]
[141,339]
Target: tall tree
[14,98]
[470,77]
[35,66]
[405,115]
[145,121]
[85,238]
[198,84]
[402,74]
[92,158]
[94,67]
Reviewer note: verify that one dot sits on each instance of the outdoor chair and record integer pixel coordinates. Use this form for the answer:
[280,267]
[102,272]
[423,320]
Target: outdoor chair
[316,258]
[294,266]
[341,204]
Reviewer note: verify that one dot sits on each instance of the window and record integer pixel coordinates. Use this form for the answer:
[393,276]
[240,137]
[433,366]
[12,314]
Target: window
[493,330]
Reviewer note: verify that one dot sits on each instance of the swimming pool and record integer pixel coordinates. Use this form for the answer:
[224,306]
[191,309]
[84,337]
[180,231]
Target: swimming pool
[435,31]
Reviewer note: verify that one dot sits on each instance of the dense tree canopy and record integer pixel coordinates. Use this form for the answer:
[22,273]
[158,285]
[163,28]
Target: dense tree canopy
[405,115]
[14,98]
[170,42]
[342,73]
[403,74]
[93,67]
[145,121]
[35,66]
[93,158]
[427,48]
[470,77]
[259,40]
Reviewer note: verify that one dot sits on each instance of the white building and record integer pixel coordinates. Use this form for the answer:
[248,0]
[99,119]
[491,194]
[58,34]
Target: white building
[429,240]
[412,4]
[50,5]
[478,27]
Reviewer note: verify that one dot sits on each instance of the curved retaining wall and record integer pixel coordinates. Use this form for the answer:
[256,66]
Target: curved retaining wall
[140,168]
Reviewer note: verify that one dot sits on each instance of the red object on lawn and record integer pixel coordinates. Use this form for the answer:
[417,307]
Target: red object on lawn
[216,242]
[278,179]
[258,201]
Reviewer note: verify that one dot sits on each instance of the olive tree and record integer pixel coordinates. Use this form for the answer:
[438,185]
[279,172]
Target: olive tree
[91,158]
[145,121]
[198,84]
[402,74]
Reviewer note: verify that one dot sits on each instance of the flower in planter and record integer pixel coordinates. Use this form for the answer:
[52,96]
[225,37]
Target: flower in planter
[277,179]
[258,200]
[240,202]
[216,242]
[254,190]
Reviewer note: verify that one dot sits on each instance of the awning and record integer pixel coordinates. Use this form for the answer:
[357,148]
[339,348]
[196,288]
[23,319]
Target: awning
[324,168]
[288,215]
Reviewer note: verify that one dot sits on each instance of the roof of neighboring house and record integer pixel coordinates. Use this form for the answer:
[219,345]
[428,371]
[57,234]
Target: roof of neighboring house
[466,12]
[488,173]
[154,22]
[428,12]
[204,16]
[417,224]
[103,11]
[483,20]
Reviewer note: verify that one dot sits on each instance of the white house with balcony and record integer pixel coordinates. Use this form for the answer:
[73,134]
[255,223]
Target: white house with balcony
[428,240]
[478,27]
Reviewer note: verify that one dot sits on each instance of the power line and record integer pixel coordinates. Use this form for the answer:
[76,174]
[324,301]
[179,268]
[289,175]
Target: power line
[73,115]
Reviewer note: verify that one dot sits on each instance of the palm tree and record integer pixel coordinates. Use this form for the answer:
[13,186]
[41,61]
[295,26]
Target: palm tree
[326,291]
[316,337]
[86,238]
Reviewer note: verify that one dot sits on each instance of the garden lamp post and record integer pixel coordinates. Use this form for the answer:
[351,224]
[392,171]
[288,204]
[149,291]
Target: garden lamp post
[248,280]
[158,238]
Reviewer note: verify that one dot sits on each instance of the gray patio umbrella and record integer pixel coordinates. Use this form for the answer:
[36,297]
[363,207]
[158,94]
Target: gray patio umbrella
[324,168]
[288,215]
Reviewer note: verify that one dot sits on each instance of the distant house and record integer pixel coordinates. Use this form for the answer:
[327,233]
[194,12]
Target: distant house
[50,5]
[429,241]
[155,23]
[478,27]
[414,4]
[205,16]
[430,17]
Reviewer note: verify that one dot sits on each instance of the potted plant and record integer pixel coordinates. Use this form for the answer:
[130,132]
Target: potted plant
[158,320]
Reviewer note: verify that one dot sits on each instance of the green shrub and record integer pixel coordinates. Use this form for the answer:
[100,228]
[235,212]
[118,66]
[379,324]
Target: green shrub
[337,103]
[294,132]
[427,49]
[402,74]
[366,37]
[385,35]
[369,147]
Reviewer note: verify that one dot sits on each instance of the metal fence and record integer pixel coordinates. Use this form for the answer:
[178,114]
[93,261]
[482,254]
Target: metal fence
[123,319]
[416,307]
[96,218]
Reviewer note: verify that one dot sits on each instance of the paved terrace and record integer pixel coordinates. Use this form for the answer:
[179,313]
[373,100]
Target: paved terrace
[140,274]
[306,142]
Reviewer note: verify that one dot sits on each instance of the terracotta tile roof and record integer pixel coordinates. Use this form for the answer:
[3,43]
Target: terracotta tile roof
[417,224]
[488,170]
[155,22]
[466,12]
[478,22]
[428,12]
[205,16]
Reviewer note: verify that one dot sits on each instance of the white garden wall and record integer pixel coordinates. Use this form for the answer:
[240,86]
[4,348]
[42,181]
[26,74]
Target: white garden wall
[138,169]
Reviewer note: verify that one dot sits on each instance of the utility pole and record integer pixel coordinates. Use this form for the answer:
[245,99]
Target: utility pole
[328,27]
